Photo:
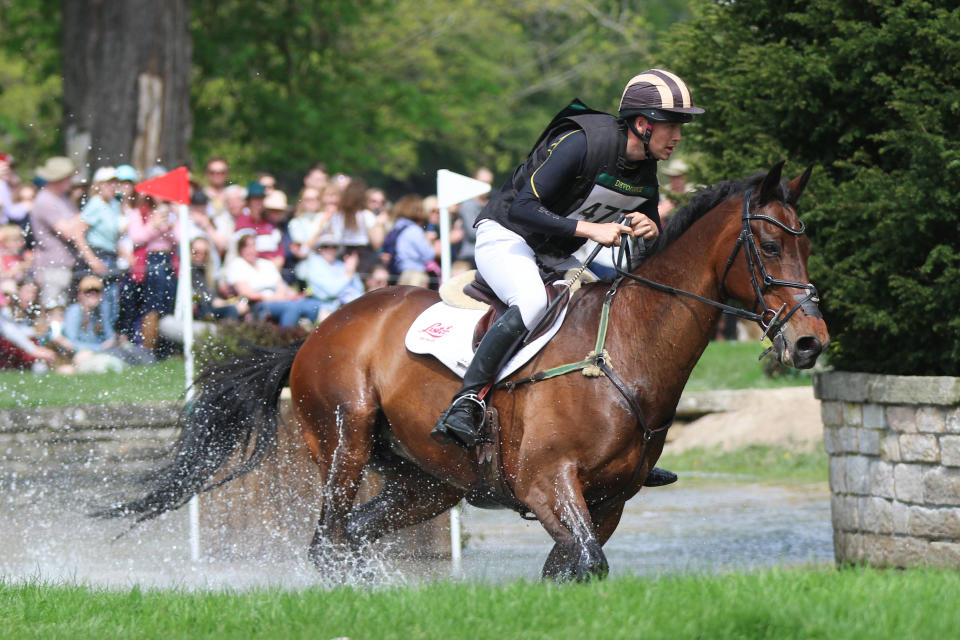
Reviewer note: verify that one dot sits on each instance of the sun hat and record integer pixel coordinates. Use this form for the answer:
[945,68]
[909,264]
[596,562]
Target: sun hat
[276,200]
[56,169]
[126,173]
[676,167]
[104,174]
[256,190]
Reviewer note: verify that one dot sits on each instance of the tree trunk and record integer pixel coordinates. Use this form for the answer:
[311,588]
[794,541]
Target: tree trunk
[126,82]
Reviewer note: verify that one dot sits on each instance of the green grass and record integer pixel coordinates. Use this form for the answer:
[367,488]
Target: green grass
[150,383]
[734,365]
[779,603]
[755,462]
[725,365]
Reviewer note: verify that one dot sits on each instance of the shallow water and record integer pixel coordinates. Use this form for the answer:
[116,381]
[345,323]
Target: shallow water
[699,524]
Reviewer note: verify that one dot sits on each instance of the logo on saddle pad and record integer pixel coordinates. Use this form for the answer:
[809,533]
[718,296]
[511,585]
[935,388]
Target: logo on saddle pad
[446,333]
[437,330]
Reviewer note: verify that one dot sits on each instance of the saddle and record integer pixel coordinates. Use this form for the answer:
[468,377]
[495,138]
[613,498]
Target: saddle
[477,288]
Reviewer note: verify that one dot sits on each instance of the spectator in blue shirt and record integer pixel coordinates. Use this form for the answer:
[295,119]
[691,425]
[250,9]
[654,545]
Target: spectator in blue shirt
[104,221]
[330,280]
[413,251]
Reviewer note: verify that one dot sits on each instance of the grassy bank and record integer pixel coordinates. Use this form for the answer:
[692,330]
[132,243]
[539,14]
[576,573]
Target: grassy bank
[725,365]
[148,383]
[734,365]
[760,463]
[795,603]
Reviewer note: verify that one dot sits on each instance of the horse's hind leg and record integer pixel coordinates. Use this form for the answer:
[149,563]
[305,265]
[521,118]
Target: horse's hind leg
[341,445]
[409,496]
[558,503]
[559,562]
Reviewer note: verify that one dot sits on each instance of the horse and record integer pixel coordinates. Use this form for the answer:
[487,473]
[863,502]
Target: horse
[573,449]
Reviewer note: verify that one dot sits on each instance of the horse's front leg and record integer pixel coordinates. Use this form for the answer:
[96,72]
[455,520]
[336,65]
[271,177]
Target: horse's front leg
[605,521]
[558,502]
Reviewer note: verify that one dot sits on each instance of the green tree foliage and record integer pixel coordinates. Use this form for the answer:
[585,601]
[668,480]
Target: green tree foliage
[869,92]
[30,83]
[400,88]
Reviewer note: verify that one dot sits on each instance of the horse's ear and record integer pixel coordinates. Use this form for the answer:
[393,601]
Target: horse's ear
[771,185]
[797,185]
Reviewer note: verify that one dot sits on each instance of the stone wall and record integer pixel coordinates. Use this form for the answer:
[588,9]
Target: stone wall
[894,446]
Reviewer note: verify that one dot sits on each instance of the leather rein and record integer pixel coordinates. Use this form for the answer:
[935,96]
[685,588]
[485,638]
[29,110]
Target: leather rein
[770,320]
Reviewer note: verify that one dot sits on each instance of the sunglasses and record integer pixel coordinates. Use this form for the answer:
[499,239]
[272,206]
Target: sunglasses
[92,290]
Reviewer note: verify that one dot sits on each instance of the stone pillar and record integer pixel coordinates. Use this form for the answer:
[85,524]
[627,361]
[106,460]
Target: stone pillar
[894,446]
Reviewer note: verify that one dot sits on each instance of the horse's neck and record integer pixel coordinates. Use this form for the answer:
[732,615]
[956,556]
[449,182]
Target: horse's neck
[694,263]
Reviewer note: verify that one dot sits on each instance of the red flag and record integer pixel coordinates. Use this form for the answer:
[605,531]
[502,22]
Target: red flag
[173,186]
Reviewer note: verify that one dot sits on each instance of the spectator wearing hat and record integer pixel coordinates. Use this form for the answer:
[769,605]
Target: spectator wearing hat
[268,237]
[103,223]
[89,334]
[258,281]
[59,233]
[676,187]
[332,281]
[201,226]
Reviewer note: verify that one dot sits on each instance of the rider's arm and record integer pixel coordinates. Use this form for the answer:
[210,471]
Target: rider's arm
[554,175]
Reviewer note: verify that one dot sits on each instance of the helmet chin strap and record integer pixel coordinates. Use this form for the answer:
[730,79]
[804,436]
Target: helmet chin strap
[644,137]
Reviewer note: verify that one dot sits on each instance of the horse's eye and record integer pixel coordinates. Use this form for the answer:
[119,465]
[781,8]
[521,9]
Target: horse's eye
[770,248]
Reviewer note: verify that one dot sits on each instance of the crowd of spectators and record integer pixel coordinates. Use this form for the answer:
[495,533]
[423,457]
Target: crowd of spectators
[88,270]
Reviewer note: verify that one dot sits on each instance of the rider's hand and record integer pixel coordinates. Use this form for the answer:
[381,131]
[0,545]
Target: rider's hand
[642,226]
[605,233]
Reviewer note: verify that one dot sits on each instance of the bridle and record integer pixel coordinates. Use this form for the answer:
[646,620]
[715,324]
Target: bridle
[771,321]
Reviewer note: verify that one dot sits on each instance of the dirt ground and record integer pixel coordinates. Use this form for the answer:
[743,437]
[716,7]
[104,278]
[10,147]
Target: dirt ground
[787,417]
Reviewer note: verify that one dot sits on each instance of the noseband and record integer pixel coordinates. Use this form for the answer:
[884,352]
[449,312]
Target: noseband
[772,321]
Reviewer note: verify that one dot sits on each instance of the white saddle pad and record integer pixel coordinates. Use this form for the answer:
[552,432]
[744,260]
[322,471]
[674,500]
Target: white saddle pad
[446,333]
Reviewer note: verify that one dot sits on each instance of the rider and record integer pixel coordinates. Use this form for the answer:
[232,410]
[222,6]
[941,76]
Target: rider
[586,173]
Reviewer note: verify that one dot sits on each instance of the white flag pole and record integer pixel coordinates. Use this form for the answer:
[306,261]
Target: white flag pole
[453,188]
[185,307]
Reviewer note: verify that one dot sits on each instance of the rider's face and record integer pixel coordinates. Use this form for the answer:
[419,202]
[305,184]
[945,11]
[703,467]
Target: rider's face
[663,140]
[665,137]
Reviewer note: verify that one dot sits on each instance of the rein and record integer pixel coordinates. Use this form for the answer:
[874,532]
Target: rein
[595,363]
[769,320]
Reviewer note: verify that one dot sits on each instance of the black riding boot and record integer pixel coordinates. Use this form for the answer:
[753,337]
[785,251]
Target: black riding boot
[659,477]
[461,421]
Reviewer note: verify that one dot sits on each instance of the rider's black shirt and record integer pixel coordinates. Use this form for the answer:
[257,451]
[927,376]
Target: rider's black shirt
[545,194]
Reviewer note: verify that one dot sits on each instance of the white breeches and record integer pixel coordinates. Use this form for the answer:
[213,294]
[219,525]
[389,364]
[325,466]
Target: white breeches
[509,266]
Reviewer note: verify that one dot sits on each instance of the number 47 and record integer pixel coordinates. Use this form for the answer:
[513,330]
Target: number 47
[591,212]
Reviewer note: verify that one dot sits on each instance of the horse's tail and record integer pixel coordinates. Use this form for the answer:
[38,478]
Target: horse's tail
[235,409]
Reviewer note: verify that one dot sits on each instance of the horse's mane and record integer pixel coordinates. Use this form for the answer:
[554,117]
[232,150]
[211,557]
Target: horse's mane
[702,202]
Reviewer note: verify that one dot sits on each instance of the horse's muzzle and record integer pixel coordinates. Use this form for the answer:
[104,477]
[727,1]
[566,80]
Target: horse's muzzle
[804,354]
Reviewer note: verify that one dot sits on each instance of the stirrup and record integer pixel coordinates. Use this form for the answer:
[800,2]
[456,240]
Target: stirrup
[445,433]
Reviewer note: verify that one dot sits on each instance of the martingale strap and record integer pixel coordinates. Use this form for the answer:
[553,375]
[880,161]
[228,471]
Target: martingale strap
[592,365]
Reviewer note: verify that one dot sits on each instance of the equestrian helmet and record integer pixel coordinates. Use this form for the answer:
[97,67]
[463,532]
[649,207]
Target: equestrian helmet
[659,96]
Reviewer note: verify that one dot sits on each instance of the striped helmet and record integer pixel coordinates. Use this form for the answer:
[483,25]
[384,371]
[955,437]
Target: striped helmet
[659,96]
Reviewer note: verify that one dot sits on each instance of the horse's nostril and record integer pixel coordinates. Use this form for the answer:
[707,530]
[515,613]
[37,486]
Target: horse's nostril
[808,345]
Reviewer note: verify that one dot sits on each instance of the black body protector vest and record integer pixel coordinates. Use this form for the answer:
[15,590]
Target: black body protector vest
[606,188]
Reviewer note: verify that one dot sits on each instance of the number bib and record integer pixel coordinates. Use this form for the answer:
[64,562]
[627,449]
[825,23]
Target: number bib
[611,198]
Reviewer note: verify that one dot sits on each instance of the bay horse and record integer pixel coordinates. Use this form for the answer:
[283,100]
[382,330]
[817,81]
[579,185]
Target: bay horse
[573,448]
